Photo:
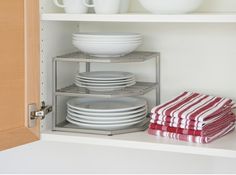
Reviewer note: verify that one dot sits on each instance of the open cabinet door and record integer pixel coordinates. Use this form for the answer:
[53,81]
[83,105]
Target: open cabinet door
[19,70]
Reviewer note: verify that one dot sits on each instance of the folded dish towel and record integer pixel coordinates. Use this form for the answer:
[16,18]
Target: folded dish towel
[207,130]
[192,124]
[194,106]
[193,117]
[194,139]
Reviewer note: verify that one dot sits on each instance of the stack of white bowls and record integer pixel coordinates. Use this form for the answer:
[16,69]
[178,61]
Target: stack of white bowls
[107,44]
[106,114]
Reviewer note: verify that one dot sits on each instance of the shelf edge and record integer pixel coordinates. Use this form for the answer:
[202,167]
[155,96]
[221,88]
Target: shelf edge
[143,18]
[67,138]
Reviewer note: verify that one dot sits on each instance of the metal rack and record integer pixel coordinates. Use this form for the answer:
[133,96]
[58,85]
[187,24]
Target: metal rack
[140,88]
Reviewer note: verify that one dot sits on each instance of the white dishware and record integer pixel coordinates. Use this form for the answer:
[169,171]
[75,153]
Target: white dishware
[141,117]
[108,114]
[105,88]
[105,75]
[121,104]
[107,49]
[103,127]
[124,6]
[82,80]
[105,84]
[107,44]
[110,118]
[171,6]
[105,80]
[104,6]
[72,6]
[107,35]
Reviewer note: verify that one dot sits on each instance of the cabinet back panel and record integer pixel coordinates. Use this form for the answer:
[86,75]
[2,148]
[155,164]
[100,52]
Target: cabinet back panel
[194,57]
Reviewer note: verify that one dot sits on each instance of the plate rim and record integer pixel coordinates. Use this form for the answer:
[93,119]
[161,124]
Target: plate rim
[143,108]
[107,122]
[102,127]
[129,75]
[110,118]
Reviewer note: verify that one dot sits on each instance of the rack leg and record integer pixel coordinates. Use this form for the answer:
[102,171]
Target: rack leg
[158,81]
[54,89]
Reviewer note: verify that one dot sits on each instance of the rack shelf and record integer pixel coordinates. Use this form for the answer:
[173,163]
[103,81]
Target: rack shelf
[140,88]
[132,17]
[132,57]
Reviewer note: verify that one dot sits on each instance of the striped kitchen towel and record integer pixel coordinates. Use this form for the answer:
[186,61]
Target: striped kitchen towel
[194,139]
[207,130]
[194,106]
[191,124]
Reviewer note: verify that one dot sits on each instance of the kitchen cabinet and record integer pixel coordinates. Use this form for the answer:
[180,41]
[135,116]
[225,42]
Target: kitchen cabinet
[198,54]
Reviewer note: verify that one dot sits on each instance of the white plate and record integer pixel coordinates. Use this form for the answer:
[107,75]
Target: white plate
[105,81]
[108,85]
[121,104]
[105,75]
[104,88]
[111,118]
[108,114]
[103,127]
[141,117]
[104,84]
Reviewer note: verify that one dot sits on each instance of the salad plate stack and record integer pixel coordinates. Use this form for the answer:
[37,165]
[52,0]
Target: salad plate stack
[105,80]
[107,114]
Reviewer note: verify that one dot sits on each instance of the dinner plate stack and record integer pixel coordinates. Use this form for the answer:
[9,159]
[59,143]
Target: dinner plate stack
[106,114]
[107,44]
[105,80]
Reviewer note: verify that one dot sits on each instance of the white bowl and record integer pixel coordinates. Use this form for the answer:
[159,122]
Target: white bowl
[107,35]
[171,6]
[106,49]
[107,41]
[104,42]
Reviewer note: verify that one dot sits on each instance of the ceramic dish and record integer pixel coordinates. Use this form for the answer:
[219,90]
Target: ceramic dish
[103,127]
[106,75]
[109,114]
[112,118]
[141,117]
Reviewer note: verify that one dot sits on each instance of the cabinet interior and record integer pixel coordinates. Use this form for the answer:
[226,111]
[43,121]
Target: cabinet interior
[194,56]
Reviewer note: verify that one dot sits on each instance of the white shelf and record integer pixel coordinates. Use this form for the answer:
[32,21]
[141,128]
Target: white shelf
[185,18]
[224,147]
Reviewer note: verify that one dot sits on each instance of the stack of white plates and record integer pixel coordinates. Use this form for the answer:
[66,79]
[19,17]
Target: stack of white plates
[105,80]
[106,114]
[107,44]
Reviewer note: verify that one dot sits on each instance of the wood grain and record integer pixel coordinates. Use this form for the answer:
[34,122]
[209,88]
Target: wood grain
[19,70]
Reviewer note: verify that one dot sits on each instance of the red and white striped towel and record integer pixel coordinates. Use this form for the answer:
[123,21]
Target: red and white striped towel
[193,106]
[208,130]
[191,124]
[194,139]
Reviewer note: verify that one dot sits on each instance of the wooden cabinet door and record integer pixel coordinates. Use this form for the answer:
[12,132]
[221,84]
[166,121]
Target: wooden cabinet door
[19,70]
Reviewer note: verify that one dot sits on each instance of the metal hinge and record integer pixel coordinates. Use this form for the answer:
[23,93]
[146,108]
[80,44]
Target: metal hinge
[34,113]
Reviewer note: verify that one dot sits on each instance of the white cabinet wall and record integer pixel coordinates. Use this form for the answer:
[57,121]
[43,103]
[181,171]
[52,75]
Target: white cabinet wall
[195,56]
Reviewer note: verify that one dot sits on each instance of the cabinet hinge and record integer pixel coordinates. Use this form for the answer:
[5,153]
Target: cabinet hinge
[34,113]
